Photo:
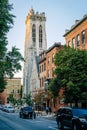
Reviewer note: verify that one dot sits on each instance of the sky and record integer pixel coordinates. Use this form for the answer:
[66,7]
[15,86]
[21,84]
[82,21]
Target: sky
[60,15]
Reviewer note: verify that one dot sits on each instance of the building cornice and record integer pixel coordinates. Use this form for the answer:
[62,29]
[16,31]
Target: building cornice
[56,44]
[77,23]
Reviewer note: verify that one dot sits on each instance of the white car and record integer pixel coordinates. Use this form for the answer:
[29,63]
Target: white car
[9,109]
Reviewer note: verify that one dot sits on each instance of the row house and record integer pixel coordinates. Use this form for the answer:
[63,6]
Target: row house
[76,37]
[46,73]
[42,70]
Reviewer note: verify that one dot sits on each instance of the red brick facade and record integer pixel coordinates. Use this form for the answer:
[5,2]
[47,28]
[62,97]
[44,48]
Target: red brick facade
[3,97]
[46,68]
[77,35]
[12,84]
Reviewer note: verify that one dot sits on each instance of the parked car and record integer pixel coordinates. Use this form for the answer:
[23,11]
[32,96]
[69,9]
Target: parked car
[9,109]
[27,112]
[74,118]
[1,107]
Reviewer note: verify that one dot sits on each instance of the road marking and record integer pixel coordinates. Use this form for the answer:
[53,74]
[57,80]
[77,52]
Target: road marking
[51,127]
[34,121]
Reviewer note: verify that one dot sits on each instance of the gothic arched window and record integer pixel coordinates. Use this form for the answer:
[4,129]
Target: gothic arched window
[34,34]
[40,36]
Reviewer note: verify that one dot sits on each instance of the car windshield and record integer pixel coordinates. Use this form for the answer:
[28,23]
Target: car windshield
[28,108]
[79,112]
[10,107]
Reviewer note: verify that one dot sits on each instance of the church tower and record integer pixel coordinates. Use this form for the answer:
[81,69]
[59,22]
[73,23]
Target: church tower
[35,43]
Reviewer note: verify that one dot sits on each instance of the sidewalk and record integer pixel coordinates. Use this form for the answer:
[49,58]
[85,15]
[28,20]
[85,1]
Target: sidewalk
[47,116]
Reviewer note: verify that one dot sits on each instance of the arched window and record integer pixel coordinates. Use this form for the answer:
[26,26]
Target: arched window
[40,36]
[34,34]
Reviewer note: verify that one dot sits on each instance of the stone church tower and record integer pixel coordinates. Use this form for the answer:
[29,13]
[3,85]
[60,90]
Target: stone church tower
[35,43]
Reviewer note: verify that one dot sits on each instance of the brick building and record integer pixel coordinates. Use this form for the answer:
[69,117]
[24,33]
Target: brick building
[77,35]
[50,67]
[46,69]
[42,70]
[13,87]
[3,97]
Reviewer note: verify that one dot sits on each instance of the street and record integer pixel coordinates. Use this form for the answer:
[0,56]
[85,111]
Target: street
[11,121]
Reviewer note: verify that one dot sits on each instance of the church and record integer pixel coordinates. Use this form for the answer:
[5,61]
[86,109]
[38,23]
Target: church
[35,43]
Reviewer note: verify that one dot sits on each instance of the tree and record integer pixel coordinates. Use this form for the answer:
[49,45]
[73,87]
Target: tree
[71,72]
[21,91]
[12,99]
[54,87]
[9,60]
[28,100]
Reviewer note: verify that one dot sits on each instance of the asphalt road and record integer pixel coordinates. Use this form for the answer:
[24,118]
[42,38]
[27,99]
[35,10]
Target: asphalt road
[11,121]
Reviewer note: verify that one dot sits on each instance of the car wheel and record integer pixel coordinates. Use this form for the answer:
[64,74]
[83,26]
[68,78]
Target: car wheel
[75,127]
[22,116]
[60,125]
[29,116]
[34,115]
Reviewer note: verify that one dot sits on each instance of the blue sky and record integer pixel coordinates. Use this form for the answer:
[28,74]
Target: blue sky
[60,14]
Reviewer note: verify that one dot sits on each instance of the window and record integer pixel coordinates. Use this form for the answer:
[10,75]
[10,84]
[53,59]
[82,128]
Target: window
[52,72]
[48,73]
[40,69]
[18,90]
[40,36]
[73,42]
[48,60]
[40,82]
[53,58]
[78,40]
[44,78]
[68,112]
[69,43]
[13,91]
[83,37]
[44,66]
[34,34]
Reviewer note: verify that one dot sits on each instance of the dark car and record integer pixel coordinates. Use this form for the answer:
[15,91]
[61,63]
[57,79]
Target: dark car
[27,112]
[74,118]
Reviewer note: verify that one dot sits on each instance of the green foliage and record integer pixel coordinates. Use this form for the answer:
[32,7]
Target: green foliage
[28,100]
[9,61]
[71,72]
[21,91]
[2,83]
[12,62]
[20,102]
[12,99]
[54,87]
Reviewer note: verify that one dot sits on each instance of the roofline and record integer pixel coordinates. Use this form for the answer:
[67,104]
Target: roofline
[56,44]
[42,60]
[77,24]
